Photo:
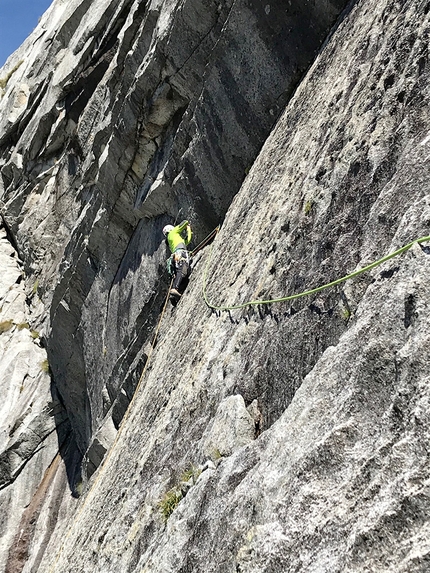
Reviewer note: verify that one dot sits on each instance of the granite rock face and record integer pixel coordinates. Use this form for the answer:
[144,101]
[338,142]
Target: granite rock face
[308,420]
[33,422]
[116,118]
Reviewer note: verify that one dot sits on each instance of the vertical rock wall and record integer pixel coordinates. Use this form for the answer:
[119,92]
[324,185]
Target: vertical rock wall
[152,110]
[115,118]
[335,476]
[33,423]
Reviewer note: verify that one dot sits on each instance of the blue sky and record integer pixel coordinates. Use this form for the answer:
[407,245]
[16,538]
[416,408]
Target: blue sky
[18,18]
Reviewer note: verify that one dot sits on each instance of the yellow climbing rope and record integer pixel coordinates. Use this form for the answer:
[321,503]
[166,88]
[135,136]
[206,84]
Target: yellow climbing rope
[307,292]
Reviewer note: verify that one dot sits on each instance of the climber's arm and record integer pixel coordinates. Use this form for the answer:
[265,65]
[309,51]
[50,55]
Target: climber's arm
[189,235]
[185,226]
[179,228]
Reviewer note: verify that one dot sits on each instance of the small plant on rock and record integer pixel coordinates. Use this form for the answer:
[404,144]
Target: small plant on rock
[171,498]
[5,326]
[308,207]
[216,454]
[45,365]
[78,489]
[346,314]
[191,472]
[170,501]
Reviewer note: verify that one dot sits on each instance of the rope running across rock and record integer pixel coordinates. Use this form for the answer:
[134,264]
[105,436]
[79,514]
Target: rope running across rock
[307,292]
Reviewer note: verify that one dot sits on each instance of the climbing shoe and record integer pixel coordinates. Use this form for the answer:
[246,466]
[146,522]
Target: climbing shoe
[175,293]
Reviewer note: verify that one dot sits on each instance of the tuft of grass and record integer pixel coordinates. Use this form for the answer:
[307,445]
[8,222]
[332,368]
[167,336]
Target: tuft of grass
[45,365]
[23,325]
[169,502]
[4,81]
[35,286]
[171,498]
[5,326]
[191,472]
[34,334]
[216,455]
[78,489]
[308,207]
[346,314]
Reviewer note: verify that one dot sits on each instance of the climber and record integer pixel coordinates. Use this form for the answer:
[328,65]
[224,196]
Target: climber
[178,264]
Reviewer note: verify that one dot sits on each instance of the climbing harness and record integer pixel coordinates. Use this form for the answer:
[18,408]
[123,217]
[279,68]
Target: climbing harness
[114,443]
[307,292]
[181,255]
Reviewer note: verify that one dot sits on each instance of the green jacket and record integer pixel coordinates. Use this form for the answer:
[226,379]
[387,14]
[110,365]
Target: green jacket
[175,239]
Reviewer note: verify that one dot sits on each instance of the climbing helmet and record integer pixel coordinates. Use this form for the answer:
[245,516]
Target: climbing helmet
[167,229]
